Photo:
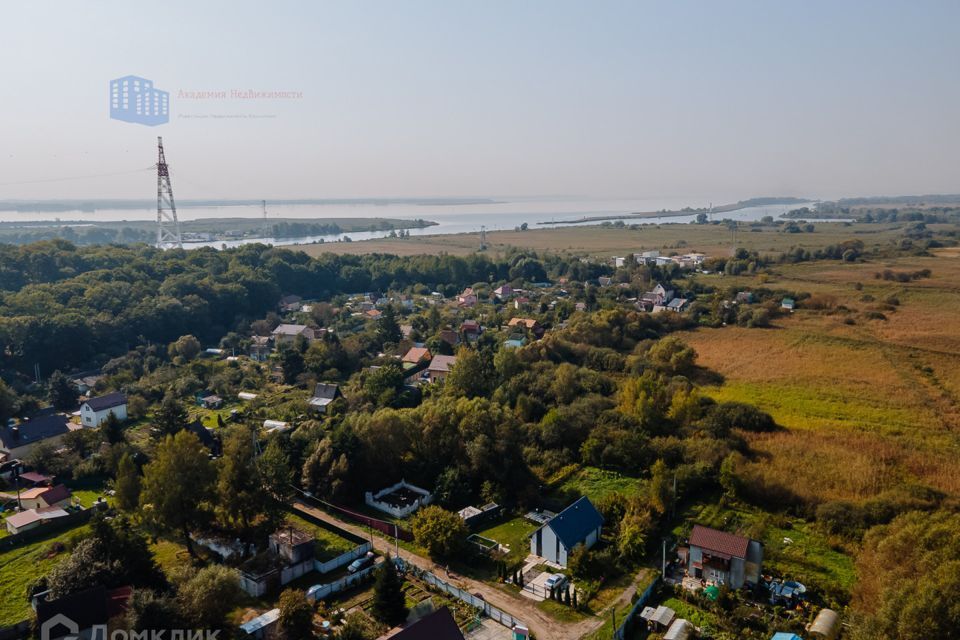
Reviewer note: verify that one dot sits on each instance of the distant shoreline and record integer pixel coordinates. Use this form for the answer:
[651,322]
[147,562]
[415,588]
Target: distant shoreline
[687,211]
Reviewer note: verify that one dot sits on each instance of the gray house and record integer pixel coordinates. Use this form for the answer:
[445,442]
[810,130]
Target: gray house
[580,523]
[724,558]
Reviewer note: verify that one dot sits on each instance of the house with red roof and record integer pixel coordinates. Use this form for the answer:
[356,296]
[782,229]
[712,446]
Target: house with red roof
[724,558]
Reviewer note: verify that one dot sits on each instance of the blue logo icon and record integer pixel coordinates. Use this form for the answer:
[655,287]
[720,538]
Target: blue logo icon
[133,99]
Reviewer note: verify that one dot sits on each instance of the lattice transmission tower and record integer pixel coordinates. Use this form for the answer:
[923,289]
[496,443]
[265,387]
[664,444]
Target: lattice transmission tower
[168,227]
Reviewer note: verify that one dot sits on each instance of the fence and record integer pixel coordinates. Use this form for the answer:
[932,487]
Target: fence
[623,630]
[397,511]
[343,558]
[49,527]
[492,612]
[382,526]
[321,591]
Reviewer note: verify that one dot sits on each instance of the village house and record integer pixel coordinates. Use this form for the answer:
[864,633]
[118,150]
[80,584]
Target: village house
[95,411]
[41,497]
[260,348]
[520,302]
[529,324]
[439,367]
[323,394]
[468,298]
[646,257]
[33,518]
[788,304]
[604,281]
[504,292]
[19,440]
[580,523]
[449,336]
[471,329]
[676,305]
[439,625]
[208,400]
[417,356]
[744,297]
[290,303]
[723,558]
[86,384]
[287,333]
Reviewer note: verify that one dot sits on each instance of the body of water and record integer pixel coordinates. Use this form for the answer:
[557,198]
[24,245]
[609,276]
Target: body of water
[457,218]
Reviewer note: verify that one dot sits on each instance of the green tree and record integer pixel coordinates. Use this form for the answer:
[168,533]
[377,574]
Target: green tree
[186,347]
[292,364]
[9,403]
[170,418]
[148,611]
[388,330]
[673,356]
[660,487]
[209,595]
[242,497]
[440,532]
[115,555]
[176,487]
[274,465]
[127,484]
[389,603]
[112,429]
[466,377]
[296,615]
[61,393]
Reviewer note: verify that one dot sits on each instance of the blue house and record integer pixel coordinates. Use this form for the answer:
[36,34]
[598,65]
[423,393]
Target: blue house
[580,523]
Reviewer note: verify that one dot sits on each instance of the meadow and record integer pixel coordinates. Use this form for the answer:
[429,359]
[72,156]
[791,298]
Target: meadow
[868,404]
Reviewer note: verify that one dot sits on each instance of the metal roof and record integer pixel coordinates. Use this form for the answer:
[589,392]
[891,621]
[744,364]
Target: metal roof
[719,542]
[573,524]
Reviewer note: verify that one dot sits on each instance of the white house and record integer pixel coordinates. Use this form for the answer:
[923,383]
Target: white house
[95,411]
[580,523]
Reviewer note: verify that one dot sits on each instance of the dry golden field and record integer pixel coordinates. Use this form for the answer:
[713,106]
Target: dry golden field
[609,241]
[867,406]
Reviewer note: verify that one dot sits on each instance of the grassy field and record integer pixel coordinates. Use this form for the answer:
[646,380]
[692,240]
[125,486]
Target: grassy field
[596,483]
[328,544]
[608,240]
[868,404]
[515,534]
[19,567]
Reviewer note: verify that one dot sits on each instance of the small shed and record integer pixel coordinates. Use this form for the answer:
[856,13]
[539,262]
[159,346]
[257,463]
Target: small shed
[680,630]
[826,625]
[259,626]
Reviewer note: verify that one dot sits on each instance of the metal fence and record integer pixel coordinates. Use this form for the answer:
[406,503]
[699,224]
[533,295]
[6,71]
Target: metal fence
[492,612]
[628,622]
[321,591]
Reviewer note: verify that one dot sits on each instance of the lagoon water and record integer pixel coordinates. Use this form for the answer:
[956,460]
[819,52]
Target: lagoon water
[504,214]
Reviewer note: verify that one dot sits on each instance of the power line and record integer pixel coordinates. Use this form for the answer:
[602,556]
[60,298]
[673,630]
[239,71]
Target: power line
[86,177]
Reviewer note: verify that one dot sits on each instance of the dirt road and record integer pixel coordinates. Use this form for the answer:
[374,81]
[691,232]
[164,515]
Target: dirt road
[540,623]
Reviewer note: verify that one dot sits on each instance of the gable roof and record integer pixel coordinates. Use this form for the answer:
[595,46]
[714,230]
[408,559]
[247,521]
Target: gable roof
[442,363]
[327,391]
[109,401]
[529,323]
[34,430]
[416,354]
[576,521]
[55,494]
[29,516]
[719,543]
[439,625]
[289,329]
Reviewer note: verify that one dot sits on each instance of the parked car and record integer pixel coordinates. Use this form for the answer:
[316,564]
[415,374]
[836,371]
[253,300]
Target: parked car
[555,581]
[361,563]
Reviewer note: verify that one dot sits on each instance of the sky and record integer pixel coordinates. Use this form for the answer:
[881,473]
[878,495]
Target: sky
[674,99]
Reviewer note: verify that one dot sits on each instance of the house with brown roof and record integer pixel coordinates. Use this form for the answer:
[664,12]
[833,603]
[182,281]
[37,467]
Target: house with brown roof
[468,298]
[42,497]
[529,324]
[724,558]
[33,518]
[439,367]
[417,355]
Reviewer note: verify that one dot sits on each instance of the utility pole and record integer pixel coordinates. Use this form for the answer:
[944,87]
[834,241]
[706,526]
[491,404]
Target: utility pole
[663,565]
[483,238]
[266,231]
[168,226]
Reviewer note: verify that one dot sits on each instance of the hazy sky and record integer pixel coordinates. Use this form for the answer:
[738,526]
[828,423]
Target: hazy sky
[718,99]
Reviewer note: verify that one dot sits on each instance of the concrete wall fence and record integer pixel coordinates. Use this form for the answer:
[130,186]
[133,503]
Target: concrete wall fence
[373,500]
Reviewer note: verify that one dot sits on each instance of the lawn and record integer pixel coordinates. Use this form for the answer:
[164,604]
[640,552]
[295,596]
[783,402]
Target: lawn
[513,534]
[19,567]
[328,544]
[87,490]
[596,484]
